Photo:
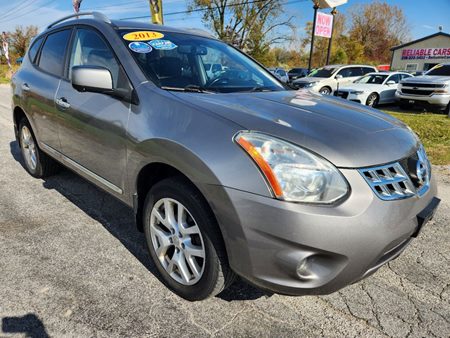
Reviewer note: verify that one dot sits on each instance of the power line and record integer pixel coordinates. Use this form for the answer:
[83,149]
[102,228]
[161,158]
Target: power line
[207,8]
[23,5]
[26,13]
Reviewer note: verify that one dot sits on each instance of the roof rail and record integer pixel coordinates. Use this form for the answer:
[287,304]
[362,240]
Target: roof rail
[96,15]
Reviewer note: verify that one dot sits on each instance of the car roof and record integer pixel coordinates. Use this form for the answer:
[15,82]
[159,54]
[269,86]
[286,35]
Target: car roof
[340,66]
[96,18]
[122,24]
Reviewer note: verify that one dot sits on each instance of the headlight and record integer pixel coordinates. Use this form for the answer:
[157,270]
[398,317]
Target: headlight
[357,92]
[293,173]
[310,84]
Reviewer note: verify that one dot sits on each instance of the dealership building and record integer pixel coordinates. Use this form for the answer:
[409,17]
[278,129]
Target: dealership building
[421,54]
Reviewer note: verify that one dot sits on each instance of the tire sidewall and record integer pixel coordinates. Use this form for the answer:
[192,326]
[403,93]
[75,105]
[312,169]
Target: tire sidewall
[208,281]
[325,91]
[375,101]
[37,171]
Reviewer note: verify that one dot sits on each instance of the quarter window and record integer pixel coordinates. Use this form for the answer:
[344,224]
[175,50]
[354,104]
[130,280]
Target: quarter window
[53,52]
[32,53]
[350,72]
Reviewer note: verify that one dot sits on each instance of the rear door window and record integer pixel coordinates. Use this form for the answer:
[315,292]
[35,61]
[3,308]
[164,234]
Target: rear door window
[366,70]
[53,52]
[350,72]
[396,78]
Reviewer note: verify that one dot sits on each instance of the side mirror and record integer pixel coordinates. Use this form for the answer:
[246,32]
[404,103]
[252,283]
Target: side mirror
[338,77]
[92,79]
[390,82]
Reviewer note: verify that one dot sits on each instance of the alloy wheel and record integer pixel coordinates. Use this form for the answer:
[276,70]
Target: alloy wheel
[177,241]
[28,148]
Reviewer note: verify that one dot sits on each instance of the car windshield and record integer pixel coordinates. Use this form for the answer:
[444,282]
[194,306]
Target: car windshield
[323,72]
[295,70]
[439,70]
[182,62]
[372,79]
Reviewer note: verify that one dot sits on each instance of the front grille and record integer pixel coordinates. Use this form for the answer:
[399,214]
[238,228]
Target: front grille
[423,85]
[402,179]
[417,91]
[389,182]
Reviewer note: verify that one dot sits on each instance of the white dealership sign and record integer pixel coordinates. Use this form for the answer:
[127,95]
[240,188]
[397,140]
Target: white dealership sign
[329,3]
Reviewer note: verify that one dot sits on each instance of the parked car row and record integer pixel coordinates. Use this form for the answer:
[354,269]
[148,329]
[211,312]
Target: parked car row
[366,85]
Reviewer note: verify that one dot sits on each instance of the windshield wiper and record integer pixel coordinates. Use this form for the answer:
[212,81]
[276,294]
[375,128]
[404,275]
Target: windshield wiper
[261,89]
[189,89]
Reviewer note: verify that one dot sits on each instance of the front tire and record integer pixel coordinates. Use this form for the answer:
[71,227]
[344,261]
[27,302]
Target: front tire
[184,241]
[325,91]
[372,100]
[37,163]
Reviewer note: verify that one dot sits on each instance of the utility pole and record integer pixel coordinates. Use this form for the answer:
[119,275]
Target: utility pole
[316,7]
[156,12]
[330,42]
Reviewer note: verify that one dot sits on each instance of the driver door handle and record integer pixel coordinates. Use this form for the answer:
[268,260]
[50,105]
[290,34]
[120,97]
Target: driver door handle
[62,103]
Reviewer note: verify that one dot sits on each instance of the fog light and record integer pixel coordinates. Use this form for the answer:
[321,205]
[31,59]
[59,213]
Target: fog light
[304,269]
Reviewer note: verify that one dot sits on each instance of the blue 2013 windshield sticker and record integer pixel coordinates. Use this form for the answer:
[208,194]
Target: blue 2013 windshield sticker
[162,44]
[140,47]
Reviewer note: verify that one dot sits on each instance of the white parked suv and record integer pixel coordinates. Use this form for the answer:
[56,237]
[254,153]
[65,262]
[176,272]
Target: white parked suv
[327,79]
[431,89]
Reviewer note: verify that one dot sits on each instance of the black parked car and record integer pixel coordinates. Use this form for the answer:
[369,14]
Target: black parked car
[296,73]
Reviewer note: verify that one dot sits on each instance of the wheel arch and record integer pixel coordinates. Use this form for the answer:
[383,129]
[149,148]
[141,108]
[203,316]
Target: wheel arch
[18,114]
[164,159]
[153,173]
[326,86]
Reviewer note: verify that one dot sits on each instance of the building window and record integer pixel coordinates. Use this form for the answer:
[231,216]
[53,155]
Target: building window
[410,67]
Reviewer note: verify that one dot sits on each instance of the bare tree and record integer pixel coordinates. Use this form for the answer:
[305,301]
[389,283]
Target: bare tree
[251,25]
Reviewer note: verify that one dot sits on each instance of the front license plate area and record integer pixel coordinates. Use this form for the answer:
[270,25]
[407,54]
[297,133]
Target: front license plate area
[426,215]
[411,101]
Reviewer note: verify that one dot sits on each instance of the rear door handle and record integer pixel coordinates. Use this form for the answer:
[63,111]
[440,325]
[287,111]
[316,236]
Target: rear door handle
[62,102]
[25,87]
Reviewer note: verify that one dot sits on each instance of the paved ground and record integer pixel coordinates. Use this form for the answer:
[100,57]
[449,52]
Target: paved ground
[72,264]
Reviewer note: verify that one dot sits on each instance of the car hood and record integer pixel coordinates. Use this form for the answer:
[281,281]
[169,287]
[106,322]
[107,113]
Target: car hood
[310,79]
[427,79]
[360,86]
[347,134]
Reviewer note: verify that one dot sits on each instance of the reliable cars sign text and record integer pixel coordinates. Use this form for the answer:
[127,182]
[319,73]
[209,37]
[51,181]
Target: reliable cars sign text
[426,53]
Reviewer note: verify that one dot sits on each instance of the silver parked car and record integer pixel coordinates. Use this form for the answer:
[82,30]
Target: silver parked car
[327,79]
[229,174]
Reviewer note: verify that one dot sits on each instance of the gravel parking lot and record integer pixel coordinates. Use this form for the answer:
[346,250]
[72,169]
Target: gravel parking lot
[73,264]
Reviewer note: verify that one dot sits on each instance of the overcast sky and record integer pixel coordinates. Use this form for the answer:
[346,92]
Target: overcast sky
[423,16]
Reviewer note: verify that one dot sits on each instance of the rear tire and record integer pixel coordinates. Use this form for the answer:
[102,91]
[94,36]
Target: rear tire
[178,220]
[37,163]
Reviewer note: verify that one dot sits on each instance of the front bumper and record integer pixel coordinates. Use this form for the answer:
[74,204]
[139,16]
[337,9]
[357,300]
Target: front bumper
[359,98]
[439,100]
[300,249]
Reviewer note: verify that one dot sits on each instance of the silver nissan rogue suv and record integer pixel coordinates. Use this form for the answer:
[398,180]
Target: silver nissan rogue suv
[229,173]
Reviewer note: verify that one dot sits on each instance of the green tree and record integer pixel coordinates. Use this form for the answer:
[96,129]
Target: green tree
[21,38]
